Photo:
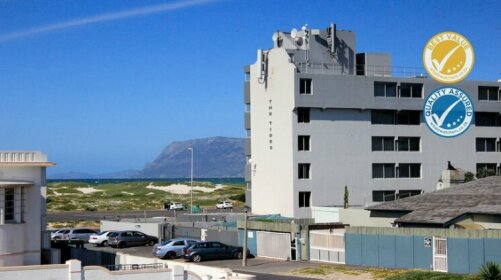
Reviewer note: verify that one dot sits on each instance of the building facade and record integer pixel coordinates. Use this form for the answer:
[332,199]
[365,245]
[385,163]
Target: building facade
[320,117]
[22,207]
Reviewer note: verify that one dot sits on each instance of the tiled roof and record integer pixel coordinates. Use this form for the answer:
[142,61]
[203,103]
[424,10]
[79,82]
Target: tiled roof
[439,207]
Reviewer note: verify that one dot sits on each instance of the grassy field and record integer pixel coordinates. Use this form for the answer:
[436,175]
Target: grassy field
[336,271]
[74,196]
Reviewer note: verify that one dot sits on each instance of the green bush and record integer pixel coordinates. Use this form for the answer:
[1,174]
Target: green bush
[490,271]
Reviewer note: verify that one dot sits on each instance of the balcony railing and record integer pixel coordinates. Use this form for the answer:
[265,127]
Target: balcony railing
[363,70]
[22,156]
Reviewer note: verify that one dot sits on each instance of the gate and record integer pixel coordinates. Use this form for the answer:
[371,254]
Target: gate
[439,254]
[327,246]
[274,245]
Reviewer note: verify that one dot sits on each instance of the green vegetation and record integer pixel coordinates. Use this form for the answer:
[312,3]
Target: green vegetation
[490,271]
[381,273]
[79,196]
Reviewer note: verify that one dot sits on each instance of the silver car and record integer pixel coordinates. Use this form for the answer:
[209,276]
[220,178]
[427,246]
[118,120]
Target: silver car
[173,248]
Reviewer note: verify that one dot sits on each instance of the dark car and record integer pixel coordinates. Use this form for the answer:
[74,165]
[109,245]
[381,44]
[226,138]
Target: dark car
[122,239]
[211,250]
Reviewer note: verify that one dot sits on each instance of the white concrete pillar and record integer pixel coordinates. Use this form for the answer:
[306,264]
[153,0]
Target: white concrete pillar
[2,205]
[74,270]
[177,272]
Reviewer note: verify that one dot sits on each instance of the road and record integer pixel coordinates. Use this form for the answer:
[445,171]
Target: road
[131,214]
[263,268]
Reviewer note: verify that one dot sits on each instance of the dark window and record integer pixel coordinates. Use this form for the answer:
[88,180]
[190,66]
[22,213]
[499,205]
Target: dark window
[303,115]
[303,142]
[408,144]
[382,117]
[487,166]
[486,144]
[304,199]
[488,93]
[381,196]
[9,204]
[408,193]
[411,90]
[487,119]
[383,170]
[383,143]
[178,243]
[382,89]
[408,117]
[304,86]
[409,170]
[304,171]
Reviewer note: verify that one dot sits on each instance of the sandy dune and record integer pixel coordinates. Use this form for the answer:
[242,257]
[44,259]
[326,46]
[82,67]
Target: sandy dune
[182,189]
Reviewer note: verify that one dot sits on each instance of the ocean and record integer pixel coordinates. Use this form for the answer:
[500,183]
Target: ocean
[96,181]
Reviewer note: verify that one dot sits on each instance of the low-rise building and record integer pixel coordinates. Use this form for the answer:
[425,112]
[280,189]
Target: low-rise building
[22,207]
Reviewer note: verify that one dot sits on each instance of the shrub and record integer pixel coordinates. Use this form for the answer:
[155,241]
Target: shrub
[490,271]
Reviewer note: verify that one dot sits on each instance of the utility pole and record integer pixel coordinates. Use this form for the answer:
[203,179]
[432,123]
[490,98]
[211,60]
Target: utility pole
[244,253]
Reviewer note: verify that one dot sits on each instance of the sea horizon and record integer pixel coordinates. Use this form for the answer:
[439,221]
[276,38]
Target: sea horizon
[95,181]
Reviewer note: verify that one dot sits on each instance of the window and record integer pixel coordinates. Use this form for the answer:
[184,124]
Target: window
[408,193]
[304,86]
[303,115]
[486,144]
[178,243]
[382,89]
[9,204]
[486,166]
[383,143]
[381,196]
[394,117]
[382,117]
[383,170]
[487,119]
[303,142]
[488,93]
[409,170]
[304,171]
[408,144]
[304,199]
[408,117]
[411,90]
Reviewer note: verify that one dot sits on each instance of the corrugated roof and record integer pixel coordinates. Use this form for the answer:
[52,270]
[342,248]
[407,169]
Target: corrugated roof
[439,207]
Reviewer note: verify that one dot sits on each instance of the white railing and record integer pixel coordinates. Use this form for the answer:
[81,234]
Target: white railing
[22,156]
[368,70]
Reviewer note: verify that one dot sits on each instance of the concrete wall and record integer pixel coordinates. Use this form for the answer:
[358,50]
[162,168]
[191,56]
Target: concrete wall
[73,270]
[21,241]
[153,229]
[350,216]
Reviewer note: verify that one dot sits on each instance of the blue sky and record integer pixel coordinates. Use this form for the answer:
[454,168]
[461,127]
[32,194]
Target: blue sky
[109,95]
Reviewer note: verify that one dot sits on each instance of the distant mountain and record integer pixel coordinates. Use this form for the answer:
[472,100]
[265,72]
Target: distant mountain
[215,157]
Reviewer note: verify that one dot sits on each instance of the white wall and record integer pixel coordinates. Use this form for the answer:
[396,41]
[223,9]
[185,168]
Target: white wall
[351,216]
[152,229]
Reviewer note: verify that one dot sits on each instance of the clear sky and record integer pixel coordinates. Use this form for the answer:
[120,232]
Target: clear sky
[103,86]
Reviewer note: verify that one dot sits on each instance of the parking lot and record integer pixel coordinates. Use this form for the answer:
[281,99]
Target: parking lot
[254,265]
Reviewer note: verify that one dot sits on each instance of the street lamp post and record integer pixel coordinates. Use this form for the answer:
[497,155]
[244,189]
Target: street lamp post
[191,182]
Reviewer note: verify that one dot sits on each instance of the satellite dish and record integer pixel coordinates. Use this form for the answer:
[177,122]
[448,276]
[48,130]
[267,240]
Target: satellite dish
[294,33]
[275,37]
[301,34]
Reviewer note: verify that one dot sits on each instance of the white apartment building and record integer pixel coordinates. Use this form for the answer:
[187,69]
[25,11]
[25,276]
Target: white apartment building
[22,207]
[320,116]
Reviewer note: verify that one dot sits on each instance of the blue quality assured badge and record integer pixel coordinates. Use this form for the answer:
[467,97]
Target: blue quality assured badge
[448,111]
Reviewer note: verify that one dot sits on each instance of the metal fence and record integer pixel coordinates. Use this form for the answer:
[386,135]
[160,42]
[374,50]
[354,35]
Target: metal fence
[118,267]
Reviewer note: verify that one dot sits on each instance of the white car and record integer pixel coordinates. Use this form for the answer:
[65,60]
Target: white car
[100,239]
[59,234]
[174,206]
[224,205]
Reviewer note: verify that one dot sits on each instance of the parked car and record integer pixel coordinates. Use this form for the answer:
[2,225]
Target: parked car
[173,248]
[122,239]
[59,234]
[224,205]
[199,251]
[100,238]
[73,234]
[174,206]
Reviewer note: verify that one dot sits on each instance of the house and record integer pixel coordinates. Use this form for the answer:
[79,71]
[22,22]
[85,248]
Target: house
[472,205]
[22,207]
